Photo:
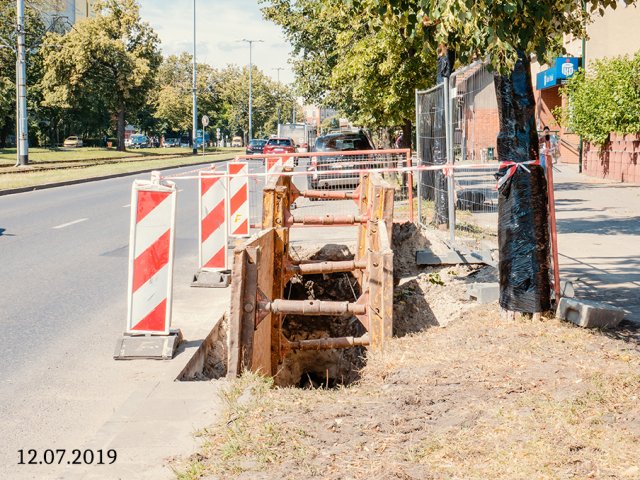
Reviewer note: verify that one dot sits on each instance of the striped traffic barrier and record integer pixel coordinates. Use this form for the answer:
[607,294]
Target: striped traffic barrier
[238,204]
[151,247]
[212,231]
[272,164]
[212,254]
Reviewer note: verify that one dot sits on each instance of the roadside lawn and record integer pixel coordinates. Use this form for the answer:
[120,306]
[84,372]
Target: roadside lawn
[475,396]
[54,167]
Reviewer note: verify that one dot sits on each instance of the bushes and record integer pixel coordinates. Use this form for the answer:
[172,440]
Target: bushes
[606,99]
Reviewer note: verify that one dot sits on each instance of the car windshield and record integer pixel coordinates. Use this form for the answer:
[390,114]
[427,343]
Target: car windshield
[343,142]
[257,143]
[281,142]
[71,138]
[137,138]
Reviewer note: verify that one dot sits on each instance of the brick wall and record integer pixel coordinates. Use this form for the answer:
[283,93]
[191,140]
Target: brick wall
[481,127]
[617,160]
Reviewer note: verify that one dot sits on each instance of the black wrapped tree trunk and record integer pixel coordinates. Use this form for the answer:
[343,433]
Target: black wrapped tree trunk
[523,230]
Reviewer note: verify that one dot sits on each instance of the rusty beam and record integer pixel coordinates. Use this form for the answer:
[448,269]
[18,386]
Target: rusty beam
[317,268]
[313,307]
[330,195]
[328,343]
[321,220]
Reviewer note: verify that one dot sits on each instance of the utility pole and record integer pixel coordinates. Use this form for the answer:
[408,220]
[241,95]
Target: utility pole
[278,70]
[193,87]
[251,42]
[22,140]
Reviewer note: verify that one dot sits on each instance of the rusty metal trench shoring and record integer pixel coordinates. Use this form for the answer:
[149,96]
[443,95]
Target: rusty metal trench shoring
[262,267]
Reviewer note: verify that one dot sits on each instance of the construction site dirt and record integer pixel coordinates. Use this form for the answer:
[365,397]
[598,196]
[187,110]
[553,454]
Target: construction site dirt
[459,392]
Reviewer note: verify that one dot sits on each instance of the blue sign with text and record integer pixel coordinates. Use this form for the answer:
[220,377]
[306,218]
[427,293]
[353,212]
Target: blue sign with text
[563,68]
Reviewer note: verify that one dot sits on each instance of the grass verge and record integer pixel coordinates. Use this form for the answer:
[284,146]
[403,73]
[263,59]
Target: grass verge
[79,171]
[485,397]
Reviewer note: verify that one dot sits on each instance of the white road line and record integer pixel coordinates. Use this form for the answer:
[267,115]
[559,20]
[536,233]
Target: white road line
[126,206]
[70,223]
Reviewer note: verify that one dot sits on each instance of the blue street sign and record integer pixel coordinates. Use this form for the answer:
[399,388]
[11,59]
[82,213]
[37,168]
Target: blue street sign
[563,68]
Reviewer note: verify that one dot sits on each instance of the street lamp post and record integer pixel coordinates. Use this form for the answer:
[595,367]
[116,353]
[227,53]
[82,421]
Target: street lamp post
[193,87]
[251,42]
[22,142]
[278,70]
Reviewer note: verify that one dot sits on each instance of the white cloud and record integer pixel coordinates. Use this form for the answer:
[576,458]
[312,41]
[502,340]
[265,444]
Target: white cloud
[220,26]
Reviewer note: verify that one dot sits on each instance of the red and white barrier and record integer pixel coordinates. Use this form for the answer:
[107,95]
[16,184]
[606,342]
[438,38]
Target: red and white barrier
[272,164]
[238,192]
[151,247]
[212,190]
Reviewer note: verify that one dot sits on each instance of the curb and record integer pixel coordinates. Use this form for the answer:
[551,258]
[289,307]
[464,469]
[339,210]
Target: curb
[45,186]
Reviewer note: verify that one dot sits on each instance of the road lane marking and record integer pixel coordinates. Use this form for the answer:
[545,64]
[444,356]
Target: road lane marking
[126,206]
[70,223]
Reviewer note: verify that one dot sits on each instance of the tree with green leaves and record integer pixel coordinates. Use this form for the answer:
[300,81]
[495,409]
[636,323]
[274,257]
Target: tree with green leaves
[110,60]
[604,100]
[35,31]
[507,33]
[173,97]
[348,57]
[268,97]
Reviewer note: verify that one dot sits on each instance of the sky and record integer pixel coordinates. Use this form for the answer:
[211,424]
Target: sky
[220,24]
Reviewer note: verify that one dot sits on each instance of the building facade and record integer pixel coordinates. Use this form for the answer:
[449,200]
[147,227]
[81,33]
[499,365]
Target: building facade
[613,34]
[60,15]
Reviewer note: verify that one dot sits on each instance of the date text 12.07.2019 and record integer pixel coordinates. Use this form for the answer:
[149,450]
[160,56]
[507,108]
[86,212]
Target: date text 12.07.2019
[70,457]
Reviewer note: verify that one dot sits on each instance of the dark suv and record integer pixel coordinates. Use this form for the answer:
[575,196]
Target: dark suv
[338,142]
[255,146]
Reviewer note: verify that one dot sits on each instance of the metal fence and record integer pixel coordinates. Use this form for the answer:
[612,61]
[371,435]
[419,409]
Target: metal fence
[335,176]
[456,128]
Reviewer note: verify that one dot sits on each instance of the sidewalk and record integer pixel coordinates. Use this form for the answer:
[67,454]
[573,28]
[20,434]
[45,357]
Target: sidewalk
[161,418]
[599,238]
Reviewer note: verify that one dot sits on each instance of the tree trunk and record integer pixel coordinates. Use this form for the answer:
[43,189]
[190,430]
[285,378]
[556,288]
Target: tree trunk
[523,229]
[406,134]
[4,133]
[120,128]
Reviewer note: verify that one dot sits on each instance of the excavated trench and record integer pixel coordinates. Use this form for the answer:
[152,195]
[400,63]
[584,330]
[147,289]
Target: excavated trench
[322,368]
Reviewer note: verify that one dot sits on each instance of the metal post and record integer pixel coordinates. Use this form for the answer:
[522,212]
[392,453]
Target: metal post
[278,70]
[193,86]
[419,155]
[250,92]
[22,142]
[250,42]
[448,121]
[584,67]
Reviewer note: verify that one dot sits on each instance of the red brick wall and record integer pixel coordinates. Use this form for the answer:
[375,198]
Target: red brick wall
[481,131]
[617,160]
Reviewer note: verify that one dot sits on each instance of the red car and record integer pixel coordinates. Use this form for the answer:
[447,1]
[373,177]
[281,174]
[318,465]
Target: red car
[280,145]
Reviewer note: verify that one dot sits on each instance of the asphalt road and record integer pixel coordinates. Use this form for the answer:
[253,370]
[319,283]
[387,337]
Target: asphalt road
[63,255]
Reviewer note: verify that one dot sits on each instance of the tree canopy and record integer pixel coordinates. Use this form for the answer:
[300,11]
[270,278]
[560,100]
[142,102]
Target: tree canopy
[108,62]
[496,30]
[347,56]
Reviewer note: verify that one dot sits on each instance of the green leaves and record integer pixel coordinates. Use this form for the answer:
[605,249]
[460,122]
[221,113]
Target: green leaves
[604,101]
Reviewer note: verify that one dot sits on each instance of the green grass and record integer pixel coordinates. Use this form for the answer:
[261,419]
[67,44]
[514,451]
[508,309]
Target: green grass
[45,155]
[65,171]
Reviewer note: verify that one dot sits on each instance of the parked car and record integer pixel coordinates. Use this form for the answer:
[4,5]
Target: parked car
[280,145]
[255,146]
[338,142]
[171,142]
[138,141]
[236,142]
[73,142]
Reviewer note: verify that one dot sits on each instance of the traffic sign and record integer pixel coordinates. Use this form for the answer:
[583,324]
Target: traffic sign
[205,121]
